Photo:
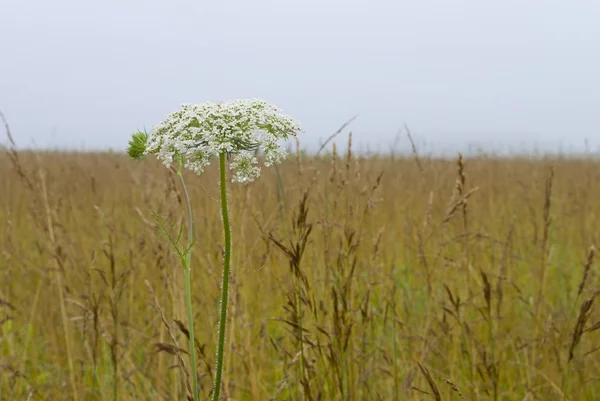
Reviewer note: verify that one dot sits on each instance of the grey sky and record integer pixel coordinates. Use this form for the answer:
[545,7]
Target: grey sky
[86,74]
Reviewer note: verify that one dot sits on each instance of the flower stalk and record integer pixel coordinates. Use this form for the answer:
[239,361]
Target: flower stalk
[187,261]
[225,283]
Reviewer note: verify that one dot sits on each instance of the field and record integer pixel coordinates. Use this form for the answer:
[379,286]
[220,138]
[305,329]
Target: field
[354,278]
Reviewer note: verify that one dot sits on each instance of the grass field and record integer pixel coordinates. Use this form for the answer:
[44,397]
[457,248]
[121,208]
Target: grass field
[354,278]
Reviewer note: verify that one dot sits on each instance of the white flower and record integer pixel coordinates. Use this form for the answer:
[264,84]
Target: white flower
[196,133]
[244,165]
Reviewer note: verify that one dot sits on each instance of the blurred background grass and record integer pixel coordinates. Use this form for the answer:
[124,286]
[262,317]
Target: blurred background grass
[420,278]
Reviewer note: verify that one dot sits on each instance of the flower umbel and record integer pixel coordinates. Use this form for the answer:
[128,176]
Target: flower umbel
[244,165]
[197,133]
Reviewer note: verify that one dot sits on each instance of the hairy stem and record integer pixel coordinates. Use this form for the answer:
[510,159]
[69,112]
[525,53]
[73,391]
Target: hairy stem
[225,284]
[188,289]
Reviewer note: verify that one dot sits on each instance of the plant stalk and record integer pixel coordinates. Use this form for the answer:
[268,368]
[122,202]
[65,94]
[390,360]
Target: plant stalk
[225,284]
[188,289]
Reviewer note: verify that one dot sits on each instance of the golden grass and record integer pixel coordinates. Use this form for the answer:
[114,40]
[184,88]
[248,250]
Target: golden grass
[353,279]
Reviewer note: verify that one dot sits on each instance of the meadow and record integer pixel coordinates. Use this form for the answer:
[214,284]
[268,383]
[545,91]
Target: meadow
[353,278]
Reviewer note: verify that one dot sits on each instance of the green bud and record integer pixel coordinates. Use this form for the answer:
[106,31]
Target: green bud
[137,146]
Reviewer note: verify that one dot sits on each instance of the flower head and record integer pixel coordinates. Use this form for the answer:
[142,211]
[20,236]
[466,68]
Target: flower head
[196,133]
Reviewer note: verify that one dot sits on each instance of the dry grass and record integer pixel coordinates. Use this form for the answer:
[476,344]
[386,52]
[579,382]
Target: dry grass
[353,279]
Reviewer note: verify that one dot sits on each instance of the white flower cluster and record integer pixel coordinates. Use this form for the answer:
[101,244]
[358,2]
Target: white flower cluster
[196,133]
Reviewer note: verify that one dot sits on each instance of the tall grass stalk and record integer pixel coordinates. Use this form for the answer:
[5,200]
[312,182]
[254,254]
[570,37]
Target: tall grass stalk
[59,285]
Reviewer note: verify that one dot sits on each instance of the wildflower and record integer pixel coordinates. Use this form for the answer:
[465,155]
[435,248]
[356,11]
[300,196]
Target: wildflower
[195,134]
[191,136]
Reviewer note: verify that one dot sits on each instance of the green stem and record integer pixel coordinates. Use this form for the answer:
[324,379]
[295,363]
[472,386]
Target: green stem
[188,289]
[225,284]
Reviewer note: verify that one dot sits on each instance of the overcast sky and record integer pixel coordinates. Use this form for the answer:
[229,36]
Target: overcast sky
[507,73]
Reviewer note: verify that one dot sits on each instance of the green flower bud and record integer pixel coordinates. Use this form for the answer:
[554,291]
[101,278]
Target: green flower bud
[137,146]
